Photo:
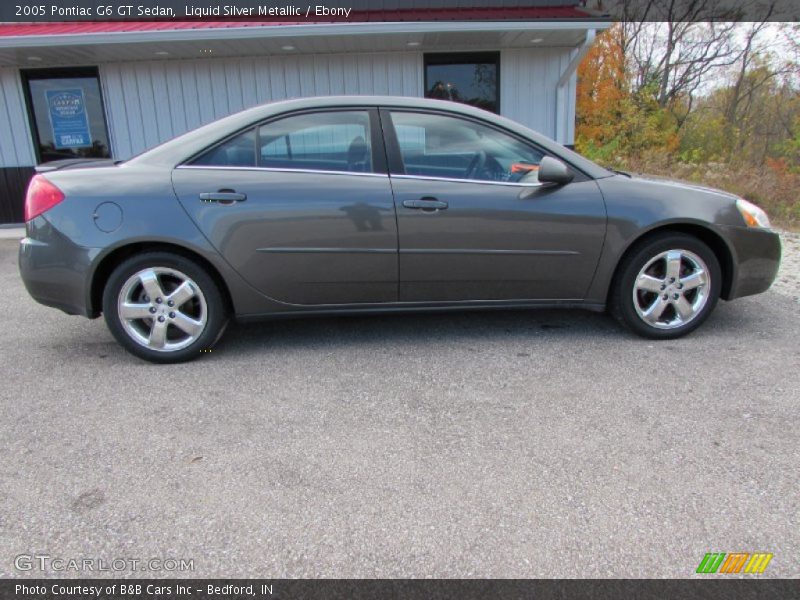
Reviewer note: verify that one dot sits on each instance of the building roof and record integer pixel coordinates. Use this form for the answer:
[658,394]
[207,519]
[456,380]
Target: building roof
[519,13]
[50,44]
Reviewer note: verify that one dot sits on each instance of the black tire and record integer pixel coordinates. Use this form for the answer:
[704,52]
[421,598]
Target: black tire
[622,303]
[207,300]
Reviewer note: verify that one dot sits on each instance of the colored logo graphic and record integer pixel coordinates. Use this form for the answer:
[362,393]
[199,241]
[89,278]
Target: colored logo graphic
[68,118]
[735,562]
[66,104]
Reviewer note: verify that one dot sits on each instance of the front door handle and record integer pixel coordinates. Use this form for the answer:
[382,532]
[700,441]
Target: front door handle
[223,197]
[427,204]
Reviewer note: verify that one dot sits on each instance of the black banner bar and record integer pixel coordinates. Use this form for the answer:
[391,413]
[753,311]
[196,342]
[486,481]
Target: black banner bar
[319,11]
[712,588]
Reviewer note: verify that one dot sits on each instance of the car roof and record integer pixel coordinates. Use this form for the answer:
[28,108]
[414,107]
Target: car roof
[177,150]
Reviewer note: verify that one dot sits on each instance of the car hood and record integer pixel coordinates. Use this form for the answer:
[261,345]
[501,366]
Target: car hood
[676,183]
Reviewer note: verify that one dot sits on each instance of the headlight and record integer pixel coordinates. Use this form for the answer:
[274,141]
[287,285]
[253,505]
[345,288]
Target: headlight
[753,215]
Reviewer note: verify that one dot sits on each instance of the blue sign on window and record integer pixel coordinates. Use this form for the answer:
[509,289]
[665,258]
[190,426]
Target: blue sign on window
[68,117]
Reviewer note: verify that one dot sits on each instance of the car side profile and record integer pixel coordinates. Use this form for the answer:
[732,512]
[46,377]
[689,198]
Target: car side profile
[352,205]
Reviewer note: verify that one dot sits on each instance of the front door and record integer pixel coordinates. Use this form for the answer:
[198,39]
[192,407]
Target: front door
[475,224]
[301,207]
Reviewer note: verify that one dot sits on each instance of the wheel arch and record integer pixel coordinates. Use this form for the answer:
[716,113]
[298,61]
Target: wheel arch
[708,236]
[110,261]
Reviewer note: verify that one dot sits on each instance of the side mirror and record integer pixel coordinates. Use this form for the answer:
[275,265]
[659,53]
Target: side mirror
[553,171]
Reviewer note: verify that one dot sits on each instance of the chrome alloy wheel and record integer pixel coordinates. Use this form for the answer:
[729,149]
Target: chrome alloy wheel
[162,309]
[671,289]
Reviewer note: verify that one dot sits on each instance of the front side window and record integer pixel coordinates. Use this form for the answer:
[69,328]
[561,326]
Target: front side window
[434,145]
[326,141]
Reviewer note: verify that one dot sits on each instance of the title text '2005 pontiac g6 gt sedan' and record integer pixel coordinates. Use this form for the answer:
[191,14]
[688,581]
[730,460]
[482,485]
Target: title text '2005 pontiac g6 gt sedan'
[368,204]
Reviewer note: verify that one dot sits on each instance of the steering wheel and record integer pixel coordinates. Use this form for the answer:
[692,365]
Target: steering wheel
[476,165]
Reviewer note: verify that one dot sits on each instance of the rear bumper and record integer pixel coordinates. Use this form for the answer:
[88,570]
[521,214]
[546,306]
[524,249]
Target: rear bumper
[55,271]
[757,258]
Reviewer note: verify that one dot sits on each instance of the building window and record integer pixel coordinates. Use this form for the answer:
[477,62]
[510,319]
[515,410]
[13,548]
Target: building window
[471,78]
[65,108]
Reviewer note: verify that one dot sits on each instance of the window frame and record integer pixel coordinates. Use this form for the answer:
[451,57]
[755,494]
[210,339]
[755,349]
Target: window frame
[379,159]
[395,156]
[28,75]
[461,58]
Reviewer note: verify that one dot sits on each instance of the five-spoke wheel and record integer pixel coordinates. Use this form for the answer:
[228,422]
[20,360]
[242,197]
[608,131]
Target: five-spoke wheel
[666,286]
[163,307]
[671,289]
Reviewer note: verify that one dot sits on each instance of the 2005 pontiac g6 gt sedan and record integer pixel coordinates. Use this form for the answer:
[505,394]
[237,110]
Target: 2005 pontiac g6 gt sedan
[374,204]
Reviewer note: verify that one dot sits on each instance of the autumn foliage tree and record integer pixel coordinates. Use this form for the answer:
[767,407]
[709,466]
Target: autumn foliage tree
[732,123]
[613,120]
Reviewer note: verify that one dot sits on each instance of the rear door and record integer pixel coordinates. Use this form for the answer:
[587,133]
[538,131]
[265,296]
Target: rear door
[301,206]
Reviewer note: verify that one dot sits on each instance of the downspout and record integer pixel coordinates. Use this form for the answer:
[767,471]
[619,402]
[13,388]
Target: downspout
[562,108]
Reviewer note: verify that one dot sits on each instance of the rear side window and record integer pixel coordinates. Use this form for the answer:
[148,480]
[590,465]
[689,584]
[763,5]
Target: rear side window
[239,151]
[325,141]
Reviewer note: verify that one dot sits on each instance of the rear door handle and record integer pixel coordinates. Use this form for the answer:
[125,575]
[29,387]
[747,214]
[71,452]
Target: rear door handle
[428,204]
[223,197]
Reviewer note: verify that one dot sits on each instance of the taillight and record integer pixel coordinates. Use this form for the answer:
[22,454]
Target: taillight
[42,195]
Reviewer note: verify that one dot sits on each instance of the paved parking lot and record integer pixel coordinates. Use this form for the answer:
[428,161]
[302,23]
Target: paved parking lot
[521,444]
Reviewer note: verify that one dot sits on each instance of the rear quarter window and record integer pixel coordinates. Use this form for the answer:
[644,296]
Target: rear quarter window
[239,151]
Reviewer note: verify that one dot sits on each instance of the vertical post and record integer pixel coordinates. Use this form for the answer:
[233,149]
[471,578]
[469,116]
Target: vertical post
[563,112]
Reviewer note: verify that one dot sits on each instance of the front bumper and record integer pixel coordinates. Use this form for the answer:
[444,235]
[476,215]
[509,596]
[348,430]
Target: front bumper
[756,262]
[55,270]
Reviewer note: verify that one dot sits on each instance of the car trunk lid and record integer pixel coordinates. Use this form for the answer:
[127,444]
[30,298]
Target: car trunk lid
[75,163]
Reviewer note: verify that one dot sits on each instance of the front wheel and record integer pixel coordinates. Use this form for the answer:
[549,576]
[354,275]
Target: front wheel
[667,286]
[163,307]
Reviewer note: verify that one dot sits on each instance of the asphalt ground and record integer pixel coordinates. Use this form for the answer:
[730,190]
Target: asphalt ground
[504,444]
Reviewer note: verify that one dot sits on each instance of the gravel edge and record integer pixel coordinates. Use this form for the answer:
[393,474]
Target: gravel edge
[787,283]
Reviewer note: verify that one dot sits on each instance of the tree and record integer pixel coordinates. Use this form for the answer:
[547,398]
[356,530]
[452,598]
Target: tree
[674,46]
[615,121]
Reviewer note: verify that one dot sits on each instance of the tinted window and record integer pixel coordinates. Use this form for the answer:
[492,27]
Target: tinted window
[239,151]
[326,141]
[467,78]
[444,146]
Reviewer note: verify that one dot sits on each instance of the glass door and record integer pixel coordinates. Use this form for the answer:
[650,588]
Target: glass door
[65,108]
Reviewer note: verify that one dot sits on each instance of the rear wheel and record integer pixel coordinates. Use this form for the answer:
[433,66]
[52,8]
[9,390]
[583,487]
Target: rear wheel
[667,286]
[163,307]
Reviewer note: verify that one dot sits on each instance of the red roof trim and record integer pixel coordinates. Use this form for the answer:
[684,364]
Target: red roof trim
[444,14]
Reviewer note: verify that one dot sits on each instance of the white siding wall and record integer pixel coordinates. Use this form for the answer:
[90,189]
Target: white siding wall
[16,146]
[149,102]
[528,90]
